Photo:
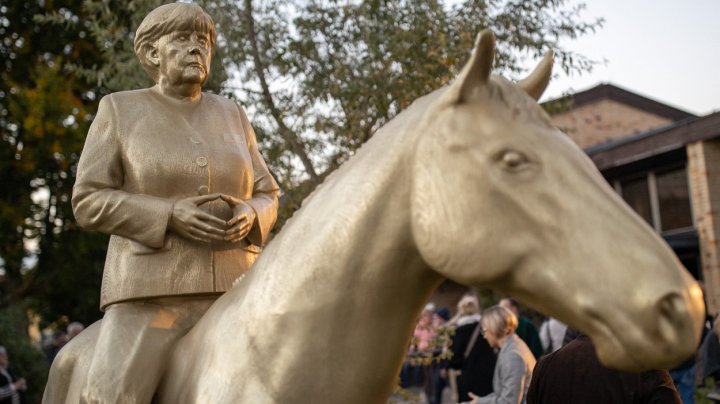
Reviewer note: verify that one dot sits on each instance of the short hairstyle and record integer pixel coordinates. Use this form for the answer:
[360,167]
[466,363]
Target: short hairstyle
[499,321]
[166,19]
[75,327]
[468,305]
[512,302]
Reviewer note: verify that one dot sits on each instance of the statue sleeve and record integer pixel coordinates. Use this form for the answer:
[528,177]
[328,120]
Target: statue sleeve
[265,190]
[99,201]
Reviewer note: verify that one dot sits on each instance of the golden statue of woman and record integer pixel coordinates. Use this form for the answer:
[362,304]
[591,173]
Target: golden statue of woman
[175,176]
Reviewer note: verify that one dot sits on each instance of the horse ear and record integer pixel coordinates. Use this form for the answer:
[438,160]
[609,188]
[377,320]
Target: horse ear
[536,83]
[476,71]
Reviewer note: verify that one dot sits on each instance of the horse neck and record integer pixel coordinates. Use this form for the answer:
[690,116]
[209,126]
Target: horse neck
[348,255]
[353,234]
[343,279]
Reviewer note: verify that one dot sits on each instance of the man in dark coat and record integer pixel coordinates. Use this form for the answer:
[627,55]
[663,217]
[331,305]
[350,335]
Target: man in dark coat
[573,374]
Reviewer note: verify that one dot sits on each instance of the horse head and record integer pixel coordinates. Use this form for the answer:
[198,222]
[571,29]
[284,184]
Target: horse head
[502,198]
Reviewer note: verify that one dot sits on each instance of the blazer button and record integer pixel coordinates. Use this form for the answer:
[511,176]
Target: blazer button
[195,141]
[201,161]
[203,190]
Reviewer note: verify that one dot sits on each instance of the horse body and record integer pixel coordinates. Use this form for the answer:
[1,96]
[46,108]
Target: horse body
[302,327]
[471,183]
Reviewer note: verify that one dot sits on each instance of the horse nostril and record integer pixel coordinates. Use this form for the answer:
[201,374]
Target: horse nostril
[672,317]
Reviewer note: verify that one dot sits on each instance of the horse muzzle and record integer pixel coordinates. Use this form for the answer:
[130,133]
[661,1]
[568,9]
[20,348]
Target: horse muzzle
[668,333]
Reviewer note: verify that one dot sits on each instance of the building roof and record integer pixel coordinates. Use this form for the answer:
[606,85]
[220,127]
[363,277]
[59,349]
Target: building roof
[606,91]
[657,141]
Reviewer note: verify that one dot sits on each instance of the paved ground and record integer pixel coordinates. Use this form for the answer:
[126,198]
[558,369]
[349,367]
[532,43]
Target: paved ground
[415,395]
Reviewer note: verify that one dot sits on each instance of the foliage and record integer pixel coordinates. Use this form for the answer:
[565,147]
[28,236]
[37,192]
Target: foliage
[44,115]
[25,359]
[321,76]
[708,392]
[111,24]
[438,349]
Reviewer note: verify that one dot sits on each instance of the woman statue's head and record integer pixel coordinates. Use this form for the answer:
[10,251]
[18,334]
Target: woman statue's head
[169,19]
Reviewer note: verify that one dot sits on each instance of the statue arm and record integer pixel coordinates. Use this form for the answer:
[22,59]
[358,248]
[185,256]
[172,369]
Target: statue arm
[100,203]
[264,199]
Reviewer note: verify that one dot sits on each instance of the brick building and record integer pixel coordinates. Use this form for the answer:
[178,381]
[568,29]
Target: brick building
[664,162]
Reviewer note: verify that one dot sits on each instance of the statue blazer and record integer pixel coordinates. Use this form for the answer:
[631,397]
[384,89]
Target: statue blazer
[143,152]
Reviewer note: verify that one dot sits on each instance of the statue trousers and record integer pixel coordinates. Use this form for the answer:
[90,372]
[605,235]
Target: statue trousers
[134,345]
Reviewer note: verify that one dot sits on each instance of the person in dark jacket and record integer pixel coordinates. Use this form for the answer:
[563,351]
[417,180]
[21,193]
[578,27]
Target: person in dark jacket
[573,374]
[477,367]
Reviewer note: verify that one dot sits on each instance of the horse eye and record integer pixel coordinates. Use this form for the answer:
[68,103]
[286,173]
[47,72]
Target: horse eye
[513,160]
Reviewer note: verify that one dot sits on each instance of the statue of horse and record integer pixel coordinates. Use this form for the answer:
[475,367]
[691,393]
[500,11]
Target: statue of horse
[472,183]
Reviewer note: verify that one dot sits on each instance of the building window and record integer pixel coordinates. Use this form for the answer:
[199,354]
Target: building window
[673,200]
[662,198]
[636,193]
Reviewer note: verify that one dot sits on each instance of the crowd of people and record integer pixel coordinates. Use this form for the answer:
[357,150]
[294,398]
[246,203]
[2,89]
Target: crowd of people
[497,355]
[59,338]
[12,385]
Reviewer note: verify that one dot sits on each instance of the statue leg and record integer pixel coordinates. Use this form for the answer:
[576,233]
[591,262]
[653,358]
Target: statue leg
[70,367]
[134,344]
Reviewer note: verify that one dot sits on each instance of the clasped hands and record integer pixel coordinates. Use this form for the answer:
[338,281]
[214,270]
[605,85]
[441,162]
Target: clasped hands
[189,221]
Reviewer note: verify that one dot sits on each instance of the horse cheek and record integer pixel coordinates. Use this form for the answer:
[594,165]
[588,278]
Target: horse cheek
[428,216]
[444,214]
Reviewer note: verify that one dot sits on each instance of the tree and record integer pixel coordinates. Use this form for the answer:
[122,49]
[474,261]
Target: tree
[322,76]
[44,112]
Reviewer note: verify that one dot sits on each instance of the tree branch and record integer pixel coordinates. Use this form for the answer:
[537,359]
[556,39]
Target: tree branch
[290,137]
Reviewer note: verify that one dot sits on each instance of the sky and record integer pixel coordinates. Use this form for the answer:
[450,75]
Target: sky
[666,50]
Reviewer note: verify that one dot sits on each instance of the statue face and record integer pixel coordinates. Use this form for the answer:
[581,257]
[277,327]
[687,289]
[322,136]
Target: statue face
[184,58]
